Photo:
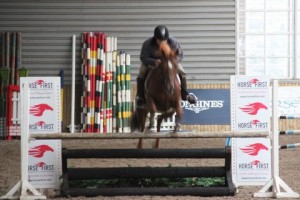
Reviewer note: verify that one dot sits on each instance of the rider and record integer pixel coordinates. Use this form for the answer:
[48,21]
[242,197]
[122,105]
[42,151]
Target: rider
[150,61]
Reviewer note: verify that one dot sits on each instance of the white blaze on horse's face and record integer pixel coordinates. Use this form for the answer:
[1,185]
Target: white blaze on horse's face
[170,64]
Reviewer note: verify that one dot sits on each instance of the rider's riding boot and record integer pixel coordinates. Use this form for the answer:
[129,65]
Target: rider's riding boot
[190,97]
[140,96]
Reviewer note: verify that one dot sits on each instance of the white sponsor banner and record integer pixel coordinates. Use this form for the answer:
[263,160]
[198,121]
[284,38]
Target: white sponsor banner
[44,163]
[250,111]
[251,161]
[289,100]
[44,113]
[44,157]
[250,103]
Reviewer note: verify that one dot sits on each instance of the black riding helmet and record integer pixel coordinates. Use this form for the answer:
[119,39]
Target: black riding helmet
[161,32]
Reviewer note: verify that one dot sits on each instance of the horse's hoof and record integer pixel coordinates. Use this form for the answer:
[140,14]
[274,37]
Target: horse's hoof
[177,128]
[149,131]
[134,131]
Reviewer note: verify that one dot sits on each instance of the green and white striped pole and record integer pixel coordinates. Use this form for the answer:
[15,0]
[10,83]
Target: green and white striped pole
[127,94]
[123,90]
[119,94]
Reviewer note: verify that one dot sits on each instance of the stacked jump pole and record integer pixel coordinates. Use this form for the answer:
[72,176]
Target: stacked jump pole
[105,102]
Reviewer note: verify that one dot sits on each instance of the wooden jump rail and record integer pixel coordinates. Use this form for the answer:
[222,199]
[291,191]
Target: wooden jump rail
[139,135]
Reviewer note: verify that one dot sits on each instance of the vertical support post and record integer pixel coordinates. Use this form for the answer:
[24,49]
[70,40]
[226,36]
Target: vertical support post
[24,137]
[275,136]
[72,128]
[293,73]
[237,57]
[273,187]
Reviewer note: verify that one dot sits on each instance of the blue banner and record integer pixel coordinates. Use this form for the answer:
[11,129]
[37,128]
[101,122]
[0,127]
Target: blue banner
[212,107]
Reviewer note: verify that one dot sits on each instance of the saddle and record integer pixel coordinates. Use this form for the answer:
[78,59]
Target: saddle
[148,78]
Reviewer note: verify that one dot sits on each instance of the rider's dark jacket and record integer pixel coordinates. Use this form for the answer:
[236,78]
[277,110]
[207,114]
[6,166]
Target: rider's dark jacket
[150,46]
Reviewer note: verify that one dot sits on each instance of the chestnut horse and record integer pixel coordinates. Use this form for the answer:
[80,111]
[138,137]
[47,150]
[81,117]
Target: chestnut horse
[162,92]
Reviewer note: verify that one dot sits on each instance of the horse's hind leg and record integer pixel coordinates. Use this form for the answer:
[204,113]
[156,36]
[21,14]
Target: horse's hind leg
[143,117]
[157,144]
[158,123]
[140,144]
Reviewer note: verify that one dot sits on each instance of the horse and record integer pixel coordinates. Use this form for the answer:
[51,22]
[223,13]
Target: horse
[162,93]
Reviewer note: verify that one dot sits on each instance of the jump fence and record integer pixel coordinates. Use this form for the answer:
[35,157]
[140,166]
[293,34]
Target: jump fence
[274,188]
[289,132]
[71,173]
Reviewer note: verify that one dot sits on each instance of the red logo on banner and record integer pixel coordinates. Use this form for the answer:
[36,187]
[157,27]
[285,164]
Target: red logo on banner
[40,82]
[255,121]
[253,108]
[255,162]
[40,123]
[40,164]
[254,81]
[39,109]
[39,151]
[253,149]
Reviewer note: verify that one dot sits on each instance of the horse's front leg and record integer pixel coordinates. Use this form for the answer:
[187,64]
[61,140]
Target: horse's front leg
[159,121]
[152,110]
[178,117]
[151,120]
